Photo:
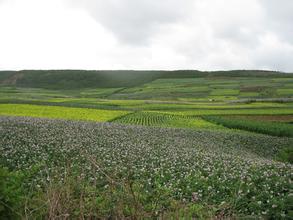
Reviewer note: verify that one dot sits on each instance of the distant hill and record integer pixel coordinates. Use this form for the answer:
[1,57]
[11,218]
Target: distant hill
[72,79]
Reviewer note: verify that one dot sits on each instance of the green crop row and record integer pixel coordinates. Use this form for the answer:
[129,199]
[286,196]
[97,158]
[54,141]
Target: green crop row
[264,127]
[259,111]
[166,120]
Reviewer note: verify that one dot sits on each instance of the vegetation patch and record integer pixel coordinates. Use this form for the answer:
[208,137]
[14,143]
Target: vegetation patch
[285,155]
[166,120]
[163,151]
[233,111]
[248,94]
[270,128]
[97,170]
[224,92]
[59,112]
[286,92]
[272,118]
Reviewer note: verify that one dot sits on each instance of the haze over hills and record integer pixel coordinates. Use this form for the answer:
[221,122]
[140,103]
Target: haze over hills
[72,79]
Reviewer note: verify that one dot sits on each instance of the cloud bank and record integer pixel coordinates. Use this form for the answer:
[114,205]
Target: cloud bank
[146,34]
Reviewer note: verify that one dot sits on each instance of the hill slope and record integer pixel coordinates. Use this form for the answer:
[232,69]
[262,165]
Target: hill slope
[72,79]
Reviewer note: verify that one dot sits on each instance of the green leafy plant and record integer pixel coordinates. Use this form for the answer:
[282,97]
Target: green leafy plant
[11,193]
[285,155]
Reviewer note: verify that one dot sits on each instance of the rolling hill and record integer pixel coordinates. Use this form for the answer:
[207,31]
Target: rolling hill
[73,79]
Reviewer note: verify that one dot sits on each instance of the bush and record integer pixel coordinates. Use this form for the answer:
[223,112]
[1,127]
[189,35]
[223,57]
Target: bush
[11,193]
[286,155]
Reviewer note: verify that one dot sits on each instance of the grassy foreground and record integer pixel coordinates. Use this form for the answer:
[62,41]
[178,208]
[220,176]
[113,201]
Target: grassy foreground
[65,169]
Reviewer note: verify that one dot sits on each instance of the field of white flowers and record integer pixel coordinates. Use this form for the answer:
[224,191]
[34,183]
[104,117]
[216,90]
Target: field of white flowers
[115,170]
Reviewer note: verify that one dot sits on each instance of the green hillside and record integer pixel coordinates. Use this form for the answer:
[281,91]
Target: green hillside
[185,144]
[72,79]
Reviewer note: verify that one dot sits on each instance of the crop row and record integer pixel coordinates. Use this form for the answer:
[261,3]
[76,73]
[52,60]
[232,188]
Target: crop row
[165,120]
[265,127]
[108,170]
[249,111]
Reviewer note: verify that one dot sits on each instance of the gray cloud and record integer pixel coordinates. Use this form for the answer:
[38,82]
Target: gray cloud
[203,32]
[150,34]
[135,21]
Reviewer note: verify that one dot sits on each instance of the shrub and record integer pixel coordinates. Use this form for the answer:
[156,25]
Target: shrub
[11,193]
[286,155]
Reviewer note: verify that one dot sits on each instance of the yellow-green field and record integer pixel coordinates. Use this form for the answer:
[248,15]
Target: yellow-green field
[60,112]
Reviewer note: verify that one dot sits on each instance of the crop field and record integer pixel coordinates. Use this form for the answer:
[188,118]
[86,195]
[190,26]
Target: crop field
[59,112]
[106,169]
[166,120]
[272,118]
[80,144]
[200,88]
[271,128]
[209,88]
[258,111]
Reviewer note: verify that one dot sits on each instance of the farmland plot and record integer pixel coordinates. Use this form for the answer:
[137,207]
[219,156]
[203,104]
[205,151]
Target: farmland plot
[166,120]
[265,127]
[75,169]
[59,112]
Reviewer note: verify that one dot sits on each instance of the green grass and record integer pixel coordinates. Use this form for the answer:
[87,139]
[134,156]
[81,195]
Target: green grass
[286,92]
[143,86]
[225,92]
[285,155]
[181,108]
[271,118]
[224,86]
[100,98]
[72,79]
[248,94]
[265,127]
[45,94]
[60,112]
[165,120]
[260,111]
[217,88]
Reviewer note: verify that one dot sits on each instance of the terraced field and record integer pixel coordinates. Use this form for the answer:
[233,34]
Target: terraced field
[215,88]
[172,145]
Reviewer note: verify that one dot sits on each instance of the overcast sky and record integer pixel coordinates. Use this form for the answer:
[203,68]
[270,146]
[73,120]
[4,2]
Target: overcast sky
[146,34]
